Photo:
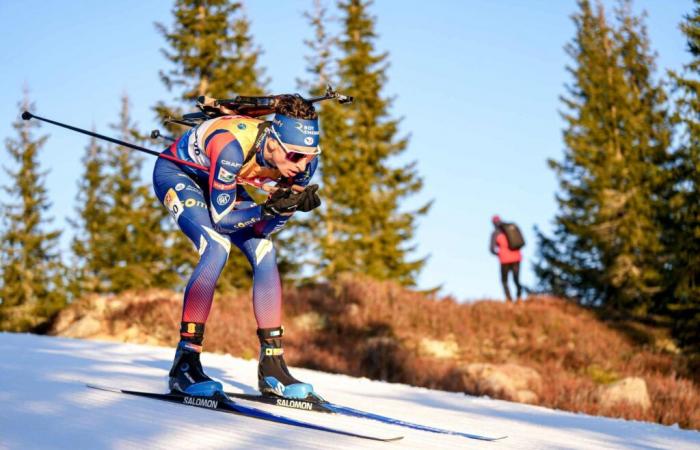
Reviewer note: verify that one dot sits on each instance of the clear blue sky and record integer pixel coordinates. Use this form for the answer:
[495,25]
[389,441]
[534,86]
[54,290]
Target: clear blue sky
[476,82]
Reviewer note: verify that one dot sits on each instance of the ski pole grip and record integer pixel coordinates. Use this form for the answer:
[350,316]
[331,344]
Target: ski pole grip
[26,115]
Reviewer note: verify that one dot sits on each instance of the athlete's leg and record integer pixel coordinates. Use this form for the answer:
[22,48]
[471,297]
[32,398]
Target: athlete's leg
[504,280]
[186,203]
[267,289]
[273,375]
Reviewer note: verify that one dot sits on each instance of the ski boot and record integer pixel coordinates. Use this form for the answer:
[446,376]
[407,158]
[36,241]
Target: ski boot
[273,375]
[187,375]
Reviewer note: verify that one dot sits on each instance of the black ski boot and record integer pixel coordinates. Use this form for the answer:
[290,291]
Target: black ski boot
[273,375]
[187,375]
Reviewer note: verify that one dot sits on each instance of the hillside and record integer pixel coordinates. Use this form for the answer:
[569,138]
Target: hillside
[544,351]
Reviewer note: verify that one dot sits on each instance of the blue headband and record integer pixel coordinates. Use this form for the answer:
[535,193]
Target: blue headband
[302,132]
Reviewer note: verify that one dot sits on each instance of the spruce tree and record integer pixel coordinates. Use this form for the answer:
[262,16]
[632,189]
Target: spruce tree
[32,288]
[364,229]
[212,53]
[137,252]
[320,59]
[90,243]
[684,228]
[300,235]
[607,235]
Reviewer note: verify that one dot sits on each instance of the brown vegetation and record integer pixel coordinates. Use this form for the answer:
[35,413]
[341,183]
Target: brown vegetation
[380,330]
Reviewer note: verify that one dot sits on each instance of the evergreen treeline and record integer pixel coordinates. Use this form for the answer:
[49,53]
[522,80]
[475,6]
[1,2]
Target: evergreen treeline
[683,236]
[626,238]
[627,233]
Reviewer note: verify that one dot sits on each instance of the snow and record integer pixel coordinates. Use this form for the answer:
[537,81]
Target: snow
[44,404]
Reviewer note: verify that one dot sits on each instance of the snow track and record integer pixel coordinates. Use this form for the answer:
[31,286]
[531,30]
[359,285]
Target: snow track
[45,405]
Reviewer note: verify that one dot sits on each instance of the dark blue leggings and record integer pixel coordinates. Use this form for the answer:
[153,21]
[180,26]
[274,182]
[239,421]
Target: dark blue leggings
[189,207]
[515,269]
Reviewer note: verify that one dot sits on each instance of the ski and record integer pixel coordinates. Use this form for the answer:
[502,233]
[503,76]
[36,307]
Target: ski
[223,404]
[328,407]
[306,405]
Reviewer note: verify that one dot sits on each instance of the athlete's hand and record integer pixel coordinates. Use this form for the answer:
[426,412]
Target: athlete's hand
[310,199]
[283,202]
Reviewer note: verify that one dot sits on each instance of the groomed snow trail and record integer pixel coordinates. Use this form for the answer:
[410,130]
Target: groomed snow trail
[44,404]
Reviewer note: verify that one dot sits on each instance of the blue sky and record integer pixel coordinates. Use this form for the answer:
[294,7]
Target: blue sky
[476,83]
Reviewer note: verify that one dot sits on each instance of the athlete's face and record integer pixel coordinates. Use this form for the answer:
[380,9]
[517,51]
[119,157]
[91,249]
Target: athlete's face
[286,158]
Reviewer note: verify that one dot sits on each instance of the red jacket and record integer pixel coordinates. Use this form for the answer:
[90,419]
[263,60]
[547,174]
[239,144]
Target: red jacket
[499,246]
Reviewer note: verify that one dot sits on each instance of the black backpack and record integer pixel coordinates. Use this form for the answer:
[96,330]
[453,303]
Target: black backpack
[513,235]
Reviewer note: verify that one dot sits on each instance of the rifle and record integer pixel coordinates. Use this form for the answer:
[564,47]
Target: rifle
[251,106]
[209,109]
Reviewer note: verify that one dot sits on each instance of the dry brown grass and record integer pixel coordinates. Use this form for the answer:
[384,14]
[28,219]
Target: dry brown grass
[362,327]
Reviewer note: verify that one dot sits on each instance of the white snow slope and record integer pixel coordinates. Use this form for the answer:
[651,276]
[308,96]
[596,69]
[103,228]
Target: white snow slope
[44,404]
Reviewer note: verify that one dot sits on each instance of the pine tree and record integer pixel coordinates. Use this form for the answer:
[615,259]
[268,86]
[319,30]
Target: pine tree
[607,235]
[32,289]
[137,252]
[364,229]
[90,243]
[300,235]
[320,60]
[566,267]
[684,229]
[212,51]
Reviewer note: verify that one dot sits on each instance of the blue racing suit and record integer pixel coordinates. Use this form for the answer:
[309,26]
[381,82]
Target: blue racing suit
[213,209]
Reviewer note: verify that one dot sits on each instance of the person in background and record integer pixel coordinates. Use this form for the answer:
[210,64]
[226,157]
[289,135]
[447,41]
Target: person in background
[509,258]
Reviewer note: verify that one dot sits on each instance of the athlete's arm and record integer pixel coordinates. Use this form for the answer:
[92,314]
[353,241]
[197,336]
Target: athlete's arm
[226,156]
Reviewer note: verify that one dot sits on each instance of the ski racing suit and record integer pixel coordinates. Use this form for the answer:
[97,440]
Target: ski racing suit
[214,210]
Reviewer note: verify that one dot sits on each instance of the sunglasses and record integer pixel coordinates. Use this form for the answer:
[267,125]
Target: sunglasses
[294,155]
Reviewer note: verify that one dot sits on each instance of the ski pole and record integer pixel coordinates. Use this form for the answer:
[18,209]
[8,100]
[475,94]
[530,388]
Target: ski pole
[26,115]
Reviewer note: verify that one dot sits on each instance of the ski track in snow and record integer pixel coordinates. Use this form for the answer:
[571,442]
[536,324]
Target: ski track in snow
[45,405]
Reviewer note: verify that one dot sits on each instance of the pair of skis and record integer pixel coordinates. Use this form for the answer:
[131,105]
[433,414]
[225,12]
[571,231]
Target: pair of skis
[224,403]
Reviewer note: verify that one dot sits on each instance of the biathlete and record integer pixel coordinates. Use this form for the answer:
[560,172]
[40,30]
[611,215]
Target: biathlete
[213,209]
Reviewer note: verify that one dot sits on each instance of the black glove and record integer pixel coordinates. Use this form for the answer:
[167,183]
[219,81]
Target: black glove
[282,202]
[310,199]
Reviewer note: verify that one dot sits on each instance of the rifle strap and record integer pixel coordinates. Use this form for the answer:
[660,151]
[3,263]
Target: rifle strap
[262,131]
